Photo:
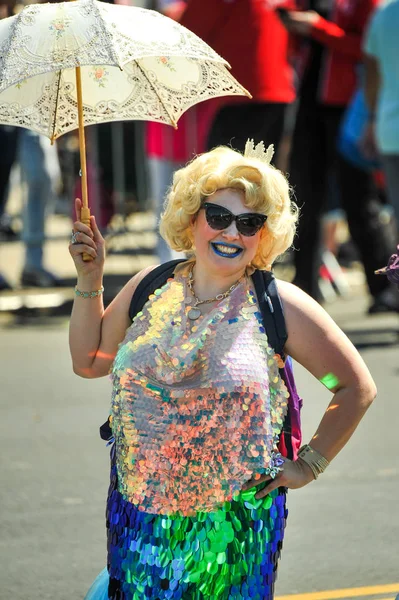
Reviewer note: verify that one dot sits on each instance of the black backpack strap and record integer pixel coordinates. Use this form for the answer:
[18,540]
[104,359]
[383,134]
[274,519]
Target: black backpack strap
[271,309]
[278,313]
[274,323]
[151,282]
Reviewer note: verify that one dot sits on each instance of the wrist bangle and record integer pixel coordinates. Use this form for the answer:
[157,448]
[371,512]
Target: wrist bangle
[88,294]
[313,459]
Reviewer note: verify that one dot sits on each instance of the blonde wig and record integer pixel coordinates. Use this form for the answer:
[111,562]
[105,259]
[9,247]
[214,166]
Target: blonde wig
[265,188]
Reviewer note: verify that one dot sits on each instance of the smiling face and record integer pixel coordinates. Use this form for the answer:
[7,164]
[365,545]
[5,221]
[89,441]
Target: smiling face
[226,251]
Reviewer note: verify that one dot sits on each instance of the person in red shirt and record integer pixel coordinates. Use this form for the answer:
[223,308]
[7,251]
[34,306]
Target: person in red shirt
[330,41]
[251,37]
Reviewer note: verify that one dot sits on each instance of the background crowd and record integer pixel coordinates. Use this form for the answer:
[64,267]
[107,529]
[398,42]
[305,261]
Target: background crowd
[325,92]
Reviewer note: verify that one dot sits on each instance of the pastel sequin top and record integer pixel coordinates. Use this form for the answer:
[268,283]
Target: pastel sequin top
[197,407]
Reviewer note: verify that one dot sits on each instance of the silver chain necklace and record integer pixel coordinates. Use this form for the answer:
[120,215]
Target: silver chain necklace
[194,313]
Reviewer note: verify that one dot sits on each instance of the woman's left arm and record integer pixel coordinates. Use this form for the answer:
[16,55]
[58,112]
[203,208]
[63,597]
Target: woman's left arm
[317,343]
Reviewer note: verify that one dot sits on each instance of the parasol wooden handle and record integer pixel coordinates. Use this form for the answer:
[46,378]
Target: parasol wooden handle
[85,211]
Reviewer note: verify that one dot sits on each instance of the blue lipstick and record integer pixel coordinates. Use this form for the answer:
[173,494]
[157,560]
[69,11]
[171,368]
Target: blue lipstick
[217,248]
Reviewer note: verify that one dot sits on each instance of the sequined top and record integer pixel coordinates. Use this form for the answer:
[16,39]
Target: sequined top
[197,407]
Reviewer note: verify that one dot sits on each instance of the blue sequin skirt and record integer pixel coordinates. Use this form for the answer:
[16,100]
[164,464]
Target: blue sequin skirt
[229,554]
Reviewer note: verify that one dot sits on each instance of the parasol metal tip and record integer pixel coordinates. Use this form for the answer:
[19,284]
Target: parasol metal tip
[174,125]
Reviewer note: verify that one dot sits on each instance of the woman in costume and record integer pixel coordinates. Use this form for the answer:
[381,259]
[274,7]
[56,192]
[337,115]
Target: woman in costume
[196,505]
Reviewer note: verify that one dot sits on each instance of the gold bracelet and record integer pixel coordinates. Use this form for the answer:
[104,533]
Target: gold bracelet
[313,459]
[88,294]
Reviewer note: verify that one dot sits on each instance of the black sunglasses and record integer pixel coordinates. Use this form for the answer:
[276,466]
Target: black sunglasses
[219,218]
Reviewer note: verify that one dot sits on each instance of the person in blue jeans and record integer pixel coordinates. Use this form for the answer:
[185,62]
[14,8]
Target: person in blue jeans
[39,171]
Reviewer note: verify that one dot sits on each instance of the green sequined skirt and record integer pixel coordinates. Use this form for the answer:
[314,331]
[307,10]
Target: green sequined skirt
[228,554]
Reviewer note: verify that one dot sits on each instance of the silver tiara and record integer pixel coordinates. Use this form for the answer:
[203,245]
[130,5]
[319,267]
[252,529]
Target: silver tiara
[258,151]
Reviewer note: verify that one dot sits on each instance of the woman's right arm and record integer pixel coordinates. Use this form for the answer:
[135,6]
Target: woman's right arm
[95,333]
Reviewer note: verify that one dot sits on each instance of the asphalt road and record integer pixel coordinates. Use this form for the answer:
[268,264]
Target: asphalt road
[343,530]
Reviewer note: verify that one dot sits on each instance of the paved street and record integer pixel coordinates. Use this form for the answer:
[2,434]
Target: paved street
[343,530]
